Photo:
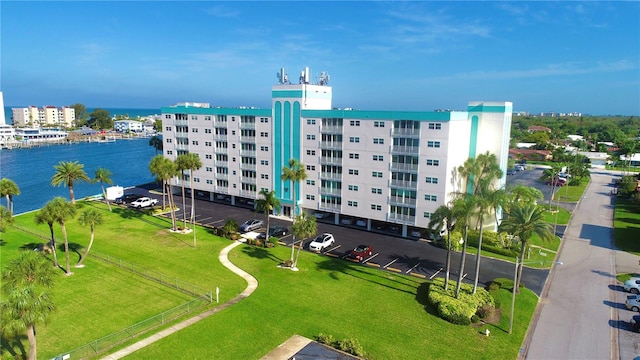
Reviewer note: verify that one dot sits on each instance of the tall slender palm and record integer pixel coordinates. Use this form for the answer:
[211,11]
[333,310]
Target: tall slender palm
[9,189]
[156,142]
[303,227]
[63,211]
[294,172]
[155,167]
[6,218]
[67,174]
[47,216]
[103,176]
[463,210]
[181,166]
[552,175]
[167,171]
[27,298]
[524,220]
[193,163]
[89,218]
[268,203]
[443,218]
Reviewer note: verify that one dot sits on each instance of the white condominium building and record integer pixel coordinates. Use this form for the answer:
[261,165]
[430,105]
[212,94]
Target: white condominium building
[388,169]
[34,116]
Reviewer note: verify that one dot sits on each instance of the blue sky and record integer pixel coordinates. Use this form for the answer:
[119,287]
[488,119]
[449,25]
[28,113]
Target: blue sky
[543,56]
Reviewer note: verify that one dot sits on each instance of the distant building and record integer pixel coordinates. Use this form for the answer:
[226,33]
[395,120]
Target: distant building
[128,125]
[47,116]
[536,128]
[530,154]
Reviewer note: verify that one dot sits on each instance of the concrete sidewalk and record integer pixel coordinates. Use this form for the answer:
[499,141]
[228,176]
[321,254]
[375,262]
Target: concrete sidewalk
[223,257]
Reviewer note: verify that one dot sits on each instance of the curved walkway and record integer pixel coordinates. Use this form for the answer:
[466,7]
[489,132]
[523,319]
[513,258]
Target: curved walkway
[223,257]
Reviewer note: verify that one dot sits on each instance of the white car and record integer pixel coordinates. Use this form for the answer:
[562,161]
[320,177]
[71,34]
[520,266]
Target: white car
[632,285]
[321,242]
[320,215]
[250,225]
[143,202]
[633,302]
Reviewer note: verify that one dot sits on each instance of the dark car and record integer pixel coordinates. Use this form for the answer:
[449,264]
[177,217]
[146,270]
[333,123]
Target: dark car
[277,231]
[635,323]
[360,253]
[125,199]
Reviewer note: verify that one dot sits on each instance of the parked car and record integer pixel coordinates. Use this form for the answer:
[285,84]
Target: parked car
[277,231]
[520,167]
[511,171]
[125,199]
[633,302]
[635,323]
[557,181]
[347,221]
[360,253]
[361,223]
[144,202]
[250,225]
[632,285]
[321,242]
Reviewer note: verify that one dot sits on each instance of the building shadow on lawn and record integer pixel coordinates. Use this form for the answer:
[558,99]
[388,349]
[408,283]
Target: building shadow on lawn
[260,253]
[10,345]
[615,305]
[126,213]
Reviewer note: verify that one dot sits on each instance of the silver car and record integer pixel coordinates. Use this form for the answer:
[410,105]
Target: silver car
[632,285]
[250,225]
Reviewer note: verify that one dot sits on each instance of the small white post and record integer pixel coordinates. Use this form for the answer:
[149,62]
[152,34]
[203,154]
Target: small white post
[217,293]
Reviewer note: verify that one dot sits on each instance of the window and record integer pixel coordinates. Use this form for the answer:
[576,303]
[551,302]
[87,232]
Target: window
[431,197]
[311,121]
[427,214]
[435,126]
[378,158]
[194,129]
[433,162]
[378,124]
[354,139]
[311,137]
[433,144]
[311,152]
[194,142]
[376,191]
[208,156]
[264,176]
[195,179]
[208,117]
[432,180]
[233,146]
[209,181]
[378,141]
[311,182]
[311,167]
[354,123]
[311,197]
[207,143]
[167,116]
[353,187]
[169,140]
[264,162]
[376,207]
[352,203]
[194,117]
[208,168]
[264,134]
[264,148]
[169,152]
[233,132]
[376,174]
[167,128]
[264,120]
[207,131]
[354,156]
[353,171]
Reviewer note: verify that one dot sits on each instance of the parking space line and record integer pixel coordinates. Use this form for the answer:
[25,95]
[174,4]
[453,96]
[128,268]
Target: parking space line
[333,248]
[394,260]
[418,275]
[413,267]
[394,269]
[332,255]
[371,257]
[372,264]
[434,274]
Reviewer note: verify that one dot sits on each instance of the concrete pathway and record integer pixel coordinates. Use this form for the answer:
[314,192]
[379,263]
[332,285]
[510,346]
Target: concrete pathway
[577,317]
[223,257]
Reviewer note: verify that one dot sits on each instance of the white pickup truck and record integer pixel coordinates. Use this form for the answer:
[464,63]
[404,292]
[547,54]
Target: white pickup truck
[144,202]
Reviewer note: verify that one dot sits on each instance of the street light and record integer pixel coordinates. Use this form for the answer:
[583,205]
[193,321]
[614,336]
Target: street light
[515,275]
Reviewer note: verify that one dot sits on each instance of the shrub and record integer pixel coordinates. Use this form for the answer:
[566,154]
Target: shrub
[351,346]
[484,311]
[273,241]
[494,286]
[475,319]
[458,311]
[325,339]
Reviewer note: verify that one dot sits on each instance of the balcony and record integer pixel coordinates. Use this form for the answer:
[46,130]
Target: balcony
[406,132]
[222,163]
[330,191]
[331,129]
[331,145]
[404,184]
[331,176]
[331,160]
[329,207]
[220,137]
[404,167]
[248,125]
[221,150]
[401,218]
[244,166]
[398,200]
[182,147]
[248,193]
[181,122]
[220,176]
[245,152]
[400,150]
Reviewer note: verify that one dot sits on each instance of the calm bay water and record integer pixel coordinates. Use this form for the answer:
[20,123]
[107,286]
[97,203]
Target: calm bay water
[32,169]
[133,113]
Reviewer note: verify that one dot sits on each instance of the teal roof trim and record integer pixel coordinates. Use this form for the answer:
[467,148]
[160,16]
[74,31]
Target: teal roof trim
[286,94]
[215,111]
[379,115]
[490,109]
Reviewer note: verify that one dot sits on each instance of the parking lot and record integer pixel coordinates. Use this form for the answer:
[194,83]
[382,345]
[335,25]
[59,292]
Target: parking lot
[391,252]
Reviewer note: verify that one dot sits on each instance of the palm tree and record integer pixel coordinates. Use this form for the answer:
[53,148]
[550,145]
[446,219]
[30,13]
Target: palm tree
[8,189]
[154,167]
[6,218]
[181,166]
[156,142]
[443,218]
[47,216]
[193,163]
[463,210]
[63,211]
[68,173]
[103,176]
[295,173]
[167,171]
[89,218]
[27,298]
[524,220]
[268,203]
[303,227]
[552,174]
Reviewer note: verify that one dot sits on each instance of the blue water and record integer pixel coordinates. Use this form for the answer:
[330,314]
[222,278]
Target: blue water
[32,169]
[133,113]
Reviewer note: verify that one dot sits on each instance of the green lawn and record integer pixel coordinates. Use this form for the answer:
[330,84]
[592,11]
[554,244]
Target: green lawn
[557,215]
[626,223]
[331,296]
[571,193]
